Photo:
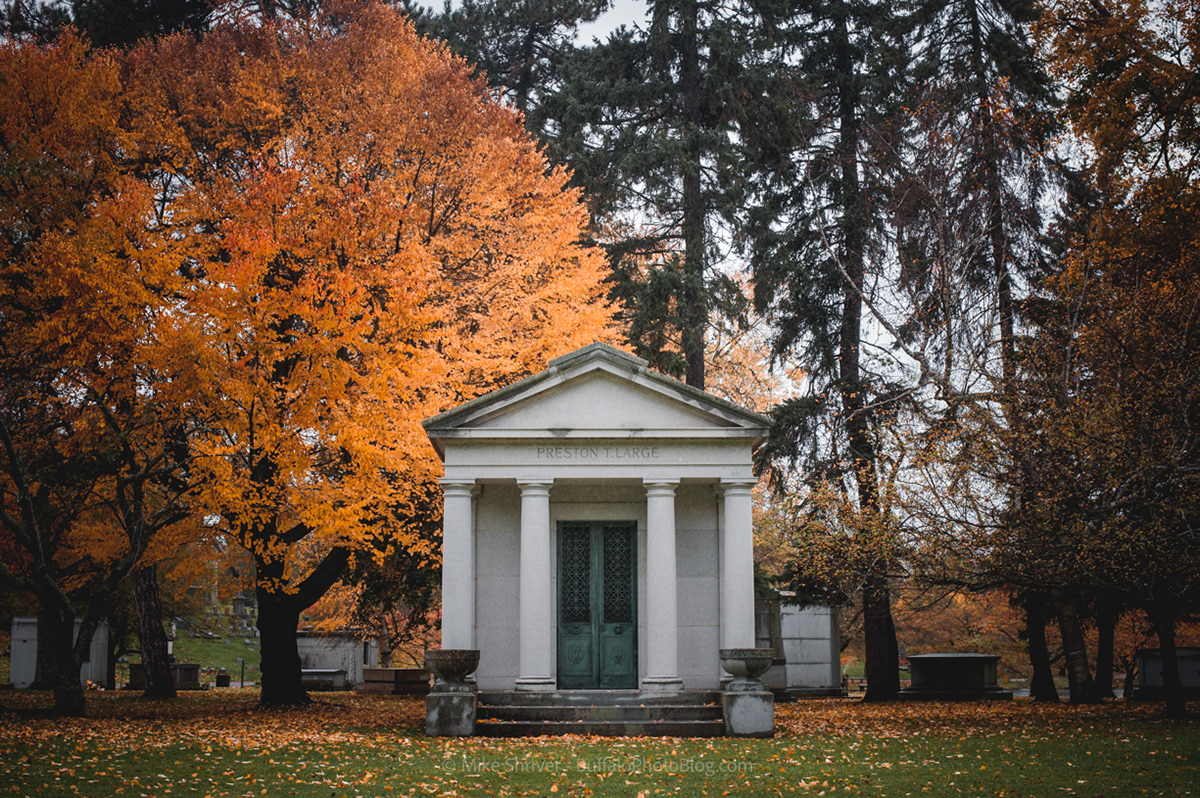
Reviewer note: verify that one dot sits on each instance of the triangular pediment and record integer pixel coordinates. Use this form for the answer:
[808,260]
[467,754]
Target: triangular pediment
[598,400]
[597,391]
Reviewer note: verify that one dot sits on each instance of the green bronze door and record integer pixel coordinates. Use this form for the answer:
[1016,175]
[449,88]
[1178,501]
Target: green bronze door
[597,605]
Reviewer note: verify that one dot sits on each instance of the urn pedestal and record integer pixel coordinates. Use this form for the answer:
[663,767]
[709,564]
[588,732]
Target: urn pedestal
[450,705]
[749,707]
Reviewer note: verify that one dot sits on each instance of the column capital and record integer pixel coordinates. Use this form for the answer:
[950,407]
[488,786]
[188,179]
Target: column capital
[736,485]
[660,487]
[458,487]
[534,486]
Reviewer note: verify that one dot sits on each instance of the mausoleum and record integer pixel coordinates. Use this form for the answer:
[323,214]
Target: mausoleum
[598,530]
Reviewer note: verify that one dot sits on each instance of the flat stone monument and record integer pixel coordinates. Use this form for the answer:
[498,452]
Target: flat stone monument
[954,677]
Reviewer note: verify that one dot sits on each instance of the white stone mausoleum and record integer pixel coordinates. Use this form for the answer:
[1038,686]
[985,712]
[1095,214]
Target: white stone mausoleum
[598,530]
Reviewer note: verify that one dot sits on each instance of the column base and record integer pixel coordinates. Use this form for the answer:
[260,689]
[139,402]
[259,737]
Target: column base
[662,684]
[534,684]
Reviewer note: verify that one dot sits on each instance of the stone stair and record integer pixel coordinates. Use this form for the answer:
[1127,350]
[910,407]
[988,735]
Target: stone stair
[610,713]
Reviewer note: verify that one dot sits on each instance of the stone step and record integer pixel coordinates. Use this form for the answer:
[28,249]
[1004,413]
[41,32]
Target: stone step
[598,698]
[609,714]
[666,728]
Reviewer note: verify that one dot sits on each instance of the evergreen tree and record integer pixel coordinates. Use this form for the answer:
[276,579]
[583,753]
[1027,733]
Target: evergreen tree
[975,174]
[982,113]
[42,21]
[518,45]
[813,233]
[123,23]
[647,121]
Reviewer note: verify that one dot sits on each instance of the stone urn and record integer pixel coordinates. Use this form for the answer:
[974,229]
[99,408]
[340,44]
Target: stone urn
[451,667]
[745,665]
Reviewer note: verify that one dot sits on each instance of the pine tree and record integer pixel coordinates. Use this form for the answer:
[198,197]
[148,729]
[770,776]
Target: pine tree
[122,23]
[518,45]
[646,120]
[811,235]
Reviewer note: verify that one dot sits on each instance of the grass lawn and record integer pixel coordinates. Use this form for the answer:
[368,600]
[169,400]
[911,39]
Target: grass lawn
[216,743]
[220,654]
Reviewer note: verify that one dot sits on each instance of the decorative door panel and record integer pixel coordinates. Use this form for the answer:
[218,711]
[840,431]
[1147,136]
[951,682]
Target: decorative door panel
[597,605]
[576,652]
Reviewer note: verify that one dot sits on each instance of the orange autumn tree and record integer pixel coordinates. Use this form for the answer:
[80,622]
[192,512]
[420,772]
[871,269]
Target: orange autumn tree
[98,390]
[373,238]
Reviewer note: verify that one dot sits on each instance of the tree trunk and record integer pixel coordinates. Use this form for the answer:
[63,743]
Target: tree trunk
[1079,674]
[882,667]
[1173,695]
[41,668]
[1106,625]
[278,621]
[62,664]
[152,639]
[385,641]
[996,231]
[1130,680]
[1041,687]
[694,305]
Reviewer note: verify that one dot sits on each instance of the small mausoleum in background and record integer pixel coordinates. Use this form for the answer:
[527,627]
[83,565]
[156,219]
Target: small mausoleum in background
[335,660]
[1150,673]
[96,669]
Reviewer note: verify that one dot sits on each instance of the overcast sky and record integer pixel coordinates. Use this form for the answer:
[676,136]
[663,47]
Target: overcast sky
[623,12]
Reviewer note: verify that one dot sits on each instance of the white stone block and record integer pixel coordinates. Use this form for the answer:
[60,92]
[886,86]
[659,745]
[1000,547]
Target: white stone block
[696,508]
[696,553]
[809,622]
[497,554]
[499,657]
[497,601]
[498,509]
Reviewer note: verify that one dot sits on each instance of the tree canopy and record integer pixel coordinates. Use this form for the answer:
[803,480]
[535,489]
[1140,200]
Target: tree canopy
[346,233]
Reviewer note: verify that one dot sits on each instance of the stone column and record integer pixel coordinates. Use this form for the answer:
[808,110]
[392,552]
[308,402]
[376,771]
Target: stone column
[458,564]
[536,601]
[737,567]
[662,612]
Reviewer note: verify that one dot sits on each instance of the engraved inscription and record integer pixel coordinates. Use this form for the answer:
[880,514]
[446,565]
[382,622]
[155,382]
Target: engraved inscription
[598,453]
